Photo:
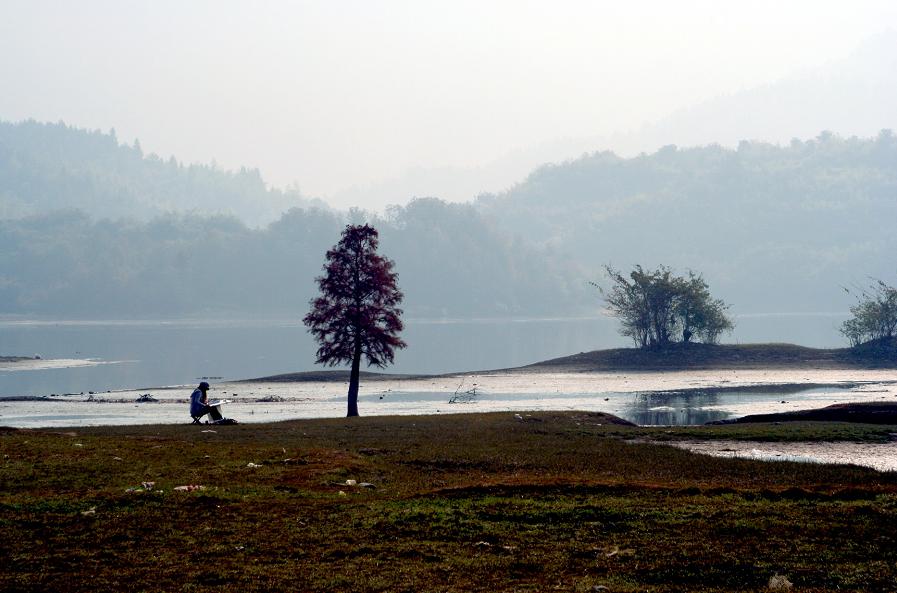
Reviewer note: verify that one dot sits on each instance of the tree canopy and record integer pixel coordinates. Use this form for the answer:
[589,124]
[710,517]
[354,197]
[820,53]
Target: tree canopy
[874,316]
[357,313]
[656,307]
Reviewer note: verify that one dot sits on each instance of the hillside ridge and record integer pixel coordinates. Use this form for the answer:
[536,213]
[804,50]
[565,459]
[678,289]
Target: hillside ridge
[714,356]
[674,357]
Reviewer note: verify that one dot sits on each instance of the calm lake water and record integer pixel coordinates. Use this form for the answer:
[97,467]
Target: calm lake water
[139,354]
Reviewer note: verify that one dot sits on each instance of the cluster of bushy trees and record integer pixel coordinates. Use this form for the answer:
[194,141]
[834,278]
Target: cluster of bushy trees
[656,307]
[874,316]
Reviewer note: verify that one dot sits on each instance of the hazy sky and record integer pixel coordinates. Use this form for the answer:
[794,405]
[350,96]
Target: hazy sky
[334,94]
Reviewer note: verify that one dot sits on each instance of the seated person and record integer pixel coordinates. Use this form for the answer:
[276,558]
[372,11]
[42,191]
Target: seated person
[199,402]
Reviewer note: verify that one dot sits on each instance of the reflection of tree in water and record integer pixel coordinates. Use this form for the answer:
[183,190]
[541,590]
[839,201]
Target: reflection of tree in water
[674,408]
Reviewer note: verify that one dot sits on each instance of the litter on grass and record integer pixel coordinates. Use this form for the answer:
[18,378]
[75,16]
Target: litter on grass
[779,583]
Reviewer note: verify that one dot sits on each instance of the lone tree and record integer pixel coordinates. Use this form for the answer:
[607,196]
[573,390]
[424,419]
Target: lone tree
[357,312]
[657,308]
[874,314]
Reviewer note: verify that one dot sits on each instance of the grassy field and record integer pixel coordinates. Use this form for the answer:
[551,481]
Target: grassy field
[458,503]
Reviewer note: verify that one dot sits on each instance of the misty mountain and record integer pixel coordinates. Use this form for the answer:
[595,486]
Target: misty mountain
[47,167]
[772,228]
[852,96]
[462,184]
[93,227]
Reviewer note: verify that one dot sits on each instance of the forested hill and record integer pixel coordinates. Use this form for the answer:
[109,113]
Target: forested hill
[93,228]
[90,227]
[772,228]
[47,167]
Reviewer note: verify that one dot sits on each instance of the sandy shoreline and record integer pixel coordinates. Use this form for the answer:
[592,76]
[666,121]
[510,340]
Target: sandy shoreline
[715,394]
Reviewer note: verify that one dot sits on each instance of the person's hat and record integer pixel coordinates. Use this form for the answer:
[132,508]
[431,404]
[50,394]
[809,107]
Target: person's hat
[203,385]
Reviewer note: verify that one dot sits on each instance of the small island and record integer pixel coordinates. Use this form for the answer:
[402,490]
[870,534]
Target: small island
[19,358]
[672,357]
[880,354]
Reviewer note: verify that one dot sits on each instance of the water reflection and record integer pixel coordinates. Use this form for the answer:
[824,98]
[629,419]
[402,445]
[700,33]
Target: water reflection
[674,408]
[673,416]
[700,406]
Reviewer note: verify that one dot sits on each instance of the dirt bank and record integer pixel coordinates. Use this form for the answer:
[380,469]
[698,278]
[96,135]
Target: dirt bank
[865,412]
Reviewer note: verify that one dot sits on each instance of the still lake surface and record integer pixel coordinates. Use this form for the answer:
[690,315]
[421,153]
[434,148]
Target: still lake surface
[150,353]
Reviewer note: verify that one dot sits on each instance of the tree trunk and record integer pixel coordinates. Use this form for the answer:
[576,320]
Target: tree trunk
[354,380]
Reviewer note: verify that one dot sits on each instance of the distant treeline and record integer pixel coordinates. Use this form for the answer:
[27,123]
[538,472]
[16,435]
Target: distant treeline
[450,264]
[92,227]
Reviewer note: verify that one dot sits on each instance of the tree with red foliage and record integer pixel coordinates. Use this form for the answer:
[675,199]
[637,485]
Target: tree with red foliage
[357,312]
